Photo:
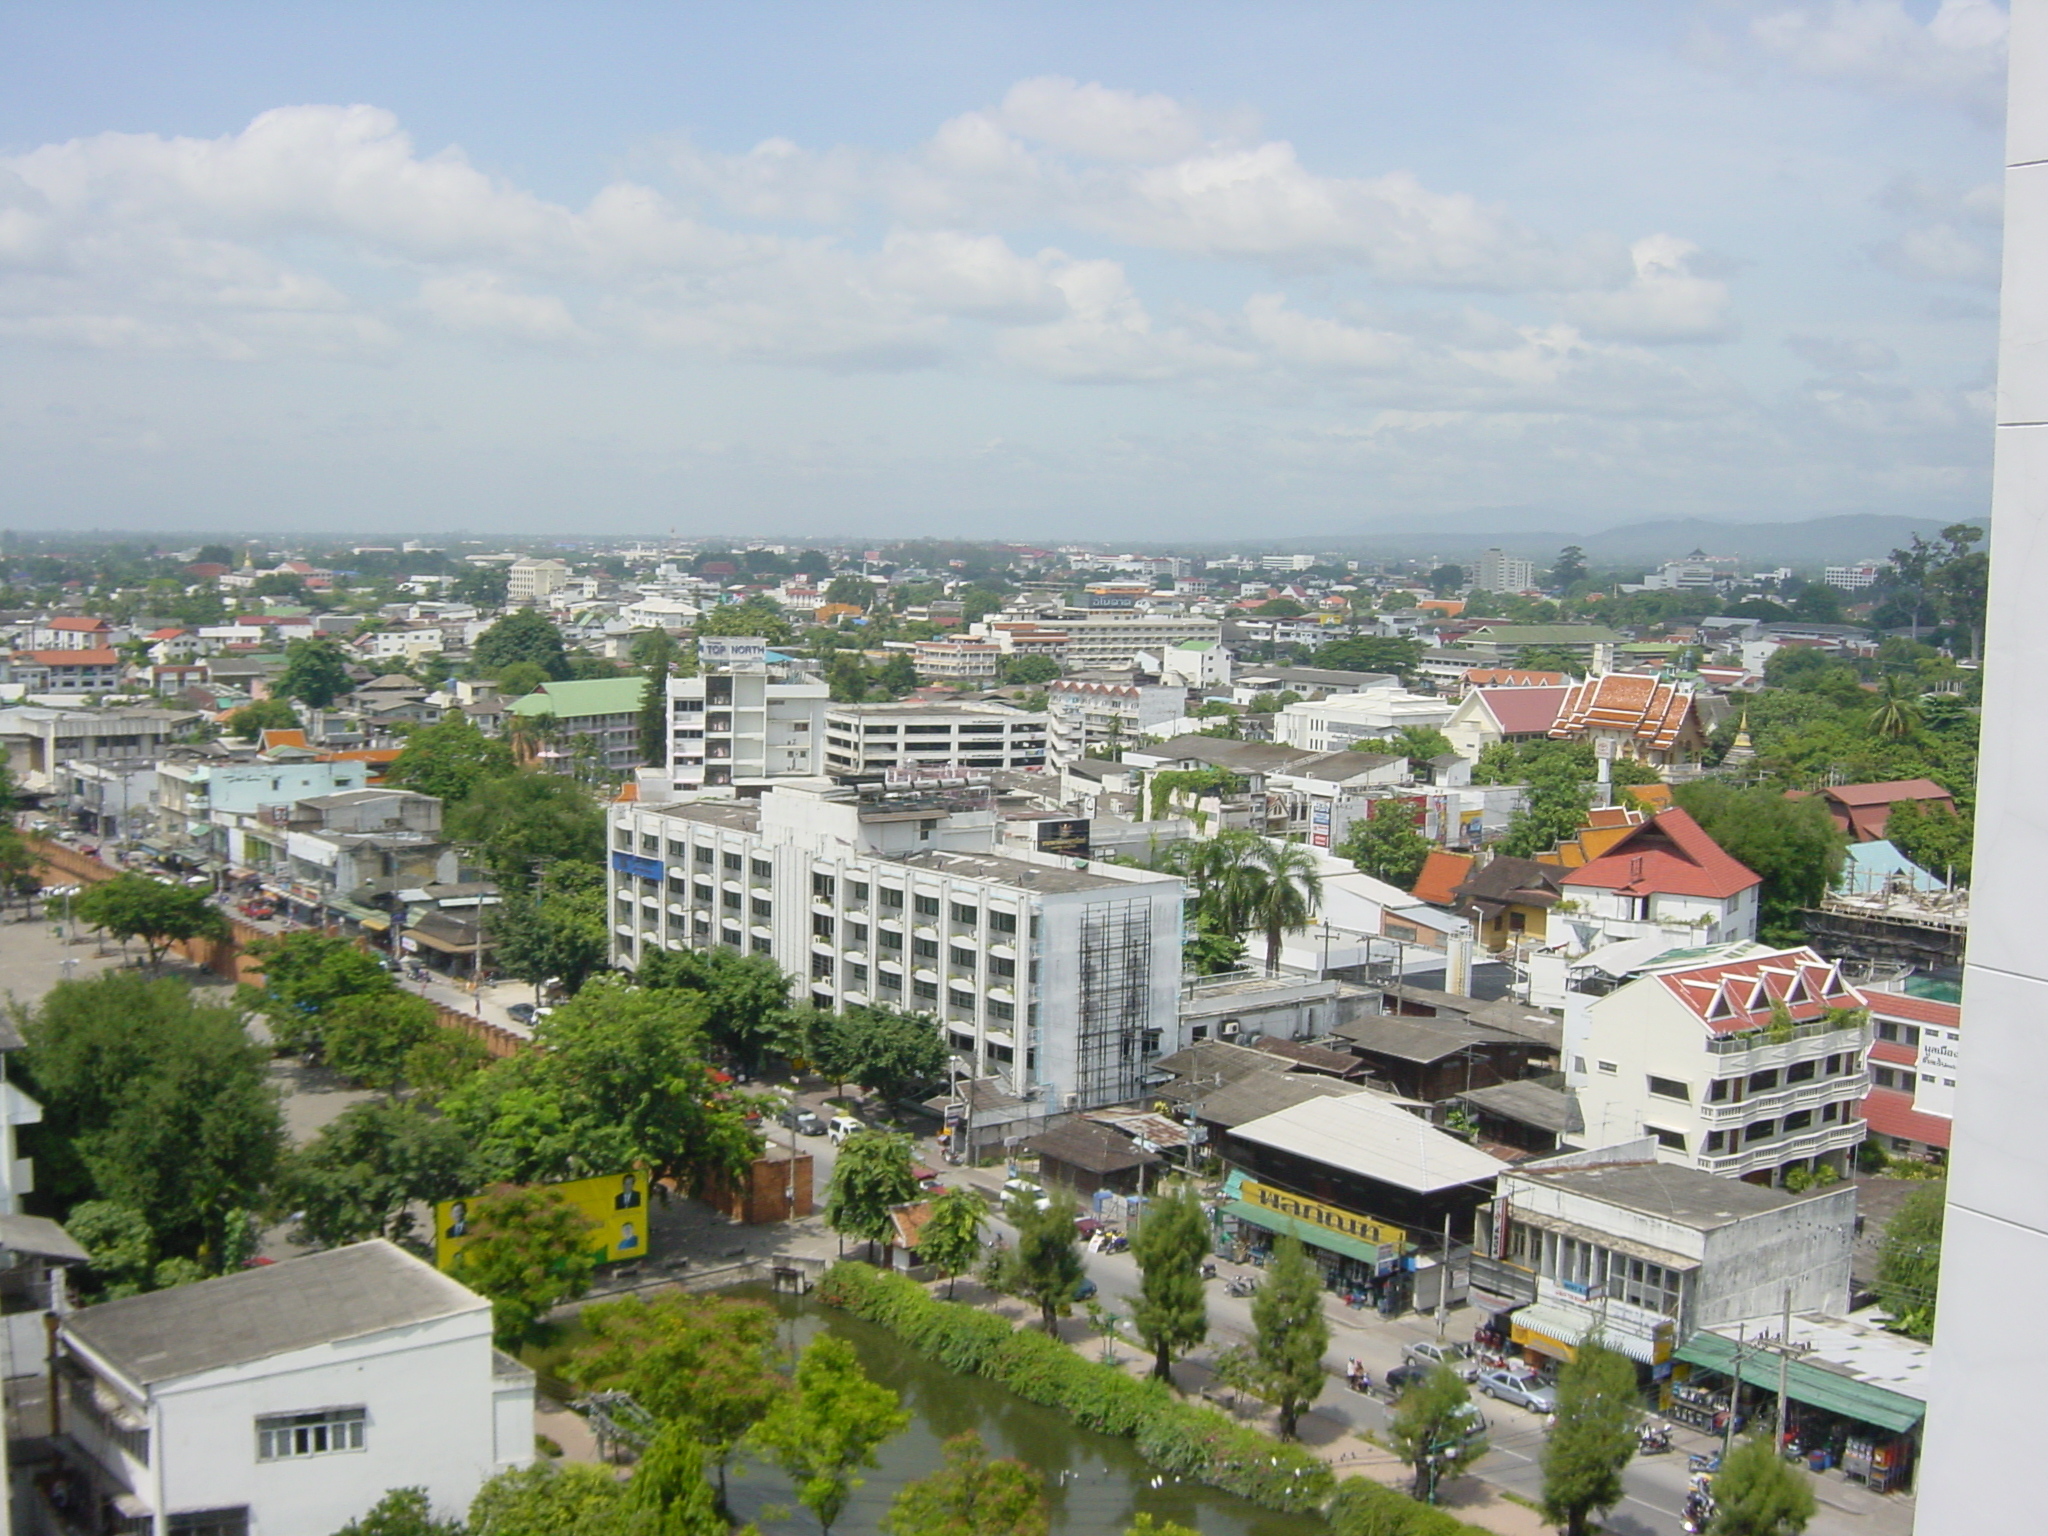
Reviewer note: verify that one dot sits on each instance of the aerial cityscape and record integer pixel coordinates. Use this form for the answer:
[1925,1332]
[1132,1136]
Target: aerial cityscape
[1020,772]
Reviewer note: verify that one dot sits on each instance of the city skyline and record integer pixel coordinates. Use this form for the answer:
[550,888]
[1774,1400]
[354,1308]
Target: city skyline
[926,271]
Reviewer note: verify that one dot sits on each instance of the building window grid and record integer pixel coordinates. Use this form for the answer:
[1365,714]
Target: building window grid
[324,1432]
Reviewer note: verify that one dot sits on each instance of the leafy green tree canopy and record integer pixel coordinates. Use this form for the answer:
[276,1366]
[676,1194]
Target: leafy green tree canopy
[829,1428]
[271,714]
[1909,1262]
[1592,1440]
[135,906]
[523,636]
[315,672]
[971,1495]
[529,1249]
[448,760]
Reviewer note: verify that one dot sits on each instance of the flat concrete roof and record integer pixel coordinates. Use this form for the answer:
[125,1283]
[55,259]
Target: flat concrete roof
[1702,1201]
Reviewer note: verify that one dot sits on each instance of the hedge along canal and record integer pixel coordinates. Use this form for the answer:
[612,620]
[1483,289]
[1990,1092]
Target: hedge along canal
[1095,1483]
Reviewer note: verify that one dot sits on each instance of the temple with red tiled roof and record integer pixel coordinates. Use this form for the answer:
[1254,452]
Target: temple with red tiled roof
[1650,721]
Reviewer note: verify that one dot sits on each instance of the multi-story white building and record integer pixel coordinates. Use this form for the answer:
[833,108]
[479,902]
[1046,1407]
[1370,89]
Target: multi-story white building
[1060,982]
[1114,642]
[279,1400]
[1915,1059]
[1332,724]
[1855,578]
[1499,571]
[956,658]
[40,741]
[1086,713]
[872,738]
[529,580]
[1744,1067]
[740,725]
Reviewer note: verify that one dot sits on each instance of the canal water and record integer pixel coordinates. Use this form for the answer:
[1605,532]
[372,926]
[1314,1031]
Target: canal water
[1094,1484]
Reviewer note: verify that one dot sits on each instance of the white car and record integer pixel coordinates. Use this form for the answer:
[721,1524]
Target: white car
[843,1126]
[1024,1189]
[1456,1356]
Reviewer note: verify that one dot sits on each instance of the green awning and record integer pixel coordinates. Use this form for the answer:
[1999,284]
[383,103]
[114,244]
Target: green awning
[1308,1232]
[1806,1382]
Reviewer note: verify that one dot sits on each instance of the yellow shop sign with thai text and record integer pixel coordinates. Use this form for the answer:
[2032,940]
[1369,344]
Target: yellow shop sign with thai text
[1314,1212]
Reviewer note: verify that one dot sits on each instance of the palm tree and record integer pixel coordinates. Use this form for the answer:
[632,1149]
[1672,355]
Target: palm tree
[1285,888]
[1897,715]
[1219,869]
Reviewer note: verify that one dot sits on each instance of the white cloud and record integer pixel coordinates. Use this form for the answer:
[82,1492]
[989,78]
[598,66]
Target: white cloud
[1666,301]
[1835,354]
[1957,57]
[1098,122]
[1939,253]
[484,302]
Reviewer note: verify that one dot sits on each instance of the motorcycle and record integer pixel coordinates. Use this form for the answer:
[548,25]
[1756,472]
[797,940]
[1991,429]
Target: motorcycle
[1240,1285]
[1208,1269]
[1653,1439]
[1708,1462]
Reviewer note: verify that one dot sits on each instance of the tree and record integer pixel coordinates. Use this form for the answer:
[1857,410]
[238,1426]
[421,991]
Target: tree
[1171,1310]
[756,616]
[971,1495]
[369,1168]
[558,930]
[1026,671]
[1287,1312]
[1569,570]
[746,997]
[1285,887]
[402,1512]
[1548,658]
[523,636]
[520,678]
[1793,844]
[1430,1430]
[554,1499]
[368,1037]
[1932,836]
[849,589]
[525,821]
[1145,1525]
[17,863]
[153,1101]
[1388,846]
[668,1494]
[847,678]
[1898,709]
[1045,1268]
[485,586]
[703,1362]
[1758,1493]
[1367,653]
[951,1238]
[119,1243]
[657,659]
[884,1050]
[1909,1262]
[1961,578]
[873,1173]
[898,675]
[251,720]
[1445,580]
[1593,1438]
[315,672]
[830,1426]
[135,906]
[529,1250]
[1279,608]
[448,760]
[305,974]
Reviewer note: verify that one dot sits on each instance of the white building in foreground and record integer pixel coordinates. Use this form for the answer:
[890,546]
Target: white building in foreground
[1057,977]
[285,1400]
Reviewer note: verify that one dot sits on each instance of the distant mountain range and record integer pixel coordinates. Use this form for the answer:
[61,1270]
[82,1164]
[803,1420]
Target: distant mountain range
[1818,541]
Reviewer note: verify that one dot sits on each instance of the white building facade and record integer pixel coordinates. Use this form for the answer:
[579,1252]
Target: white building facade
[1083,713]
[879,738]
[1332,724]
[730,727]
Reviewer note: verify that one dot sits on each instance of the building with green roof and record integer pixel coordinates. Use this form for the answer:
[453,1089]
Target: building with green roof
[606,709]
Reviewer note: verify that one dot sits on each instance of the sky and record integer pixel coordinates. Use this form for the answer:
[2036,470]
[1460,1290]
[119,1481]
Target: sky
[1129,271]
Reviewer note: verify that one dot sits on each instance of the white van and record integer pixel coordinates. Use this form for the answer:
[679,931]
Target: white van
[842,1126]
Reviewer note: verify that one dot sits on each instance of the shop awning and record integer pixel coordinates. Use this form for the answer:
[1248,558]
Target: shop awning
[1569,1327]
[1308,1232]
[1807,1382]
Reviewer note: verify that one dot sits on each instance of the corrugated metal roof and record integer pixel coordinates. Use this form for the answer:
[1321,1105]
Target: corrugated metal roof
[1366,1134]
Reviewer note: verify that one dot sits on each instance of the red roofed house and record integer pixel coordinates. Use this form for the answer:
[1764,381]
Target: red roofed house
[70,633]
[65,671]
[1442,873]
[1861,810]
[1747,1065]
[1665,879]
[1487,715]
[1653,722]
[1910,1108]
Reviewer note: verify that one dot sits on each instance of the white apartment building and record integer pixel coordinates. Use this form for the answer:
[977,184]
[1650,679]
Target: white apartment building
[1286,562]
[656,611]
[956,659]
[285,1400]
[1855,578]
[1058,980]
[1332,724]
[875,738]
[40,741]
[1084,713]
[1115,642]
[529,580]
[1743,1067]
[741,725]
[1499,571]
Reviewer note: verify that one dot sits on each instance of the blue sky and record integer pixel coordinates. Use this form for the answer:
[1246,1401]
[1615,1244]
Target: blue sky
[1135,272]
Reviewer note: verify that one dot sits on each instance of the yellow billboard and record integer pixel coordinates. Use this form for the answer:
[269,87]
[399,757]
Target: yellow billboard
[616,1202]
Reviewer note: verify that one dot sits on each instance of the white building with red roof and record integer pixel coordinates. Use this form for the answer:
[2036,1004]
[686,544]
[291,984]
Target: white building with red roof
[71,632]
[1737,1063]
[1510,712]
[1651,721]
[1666,879]
[1916,1048]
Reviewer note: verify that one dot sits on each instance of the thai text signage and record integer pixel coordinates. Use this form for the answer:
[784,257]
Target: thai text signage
[1363,1228]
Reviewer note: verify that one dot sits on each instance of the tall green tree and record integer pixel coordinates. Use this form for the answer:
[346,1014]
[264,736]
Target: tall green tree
[1366,653]
[1285,891]
[1569,569]
[1758,1493]
[873,1172]
[1388,846]
[752,616]
[448,760]
[1592,1440]
[1909,1262]
[829,1428]
[251,720]
[1793,844]
[370,1036]
[523,636]
[519,823]
[1932,836]
[657,659]
[885,1050]
[304,975]
[17,865]
[1292,1333]
[369,1169]
[1898,709]
[528,1251]
[553,1498]
[1429,1430]
[1171,1310]
[402,1512]
[315,672]
[951,1238]
[1045,1268]
[134,906]
[971,1495]
[556,930]
[669,1494]
[153,1101]
[746,998]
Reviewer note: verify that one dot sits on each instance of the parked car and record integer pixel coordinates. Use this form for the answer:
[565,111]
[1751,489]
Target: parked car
[1520,1387]
[1085,1290]
[843,1126]
[1024,1189]
[1402,1377]
[1472,1419]
[803,1121]
[521,1013]
[1457,1356]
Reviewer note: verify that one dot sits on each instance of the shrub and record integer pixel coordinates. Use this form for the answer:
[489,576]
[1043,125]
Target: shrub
[1363,1507]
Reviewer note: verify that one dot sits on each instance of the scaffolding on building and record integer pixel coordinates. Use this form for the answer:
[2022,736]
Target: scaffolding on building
[1116,1002]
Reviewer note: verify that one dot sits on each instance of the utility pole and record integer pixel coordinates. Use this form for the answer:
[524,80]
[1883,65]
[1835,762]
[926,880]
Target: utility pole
[1443,1281]
[1784,1366]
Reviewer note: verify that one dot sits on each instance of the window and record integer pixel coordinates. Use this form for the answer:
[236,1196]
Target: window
[283,1436]
[1608,1068]
[1798,1120]
[821,926]
[966,916]
[892,939]
[1002,922]
[892,981]
[1760,1130]
[961,956]
[1002,1013]
[1720,1090]
[763,908]
[679,851]
[761,946]
[1669,1088]
[856,933]
[705,895]
[704,853]
[731,901]
[1801,1071]
[856,974]
[857,891]
[1674,1140]
[927,906]
[892,898]
[1001,968]
[733,861]
[1763,1082]
[210,1522]
[821,967]
[1830,1112]
[925,949]
[1647,1285]
[761,868]
[925,991]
